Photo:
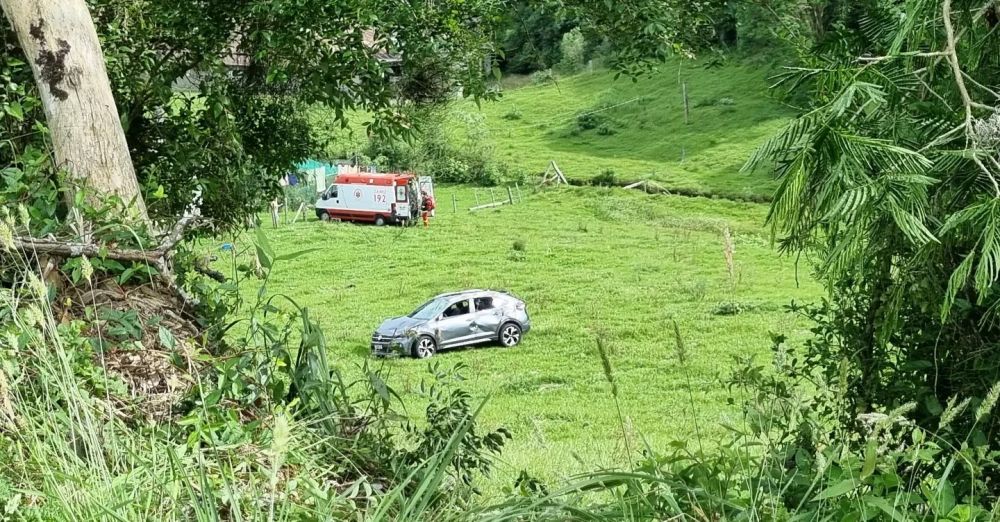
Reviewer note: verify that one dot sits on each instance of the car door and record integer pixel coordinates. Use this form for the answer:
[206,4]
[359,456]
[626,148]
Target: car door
[453,328]
[486,318]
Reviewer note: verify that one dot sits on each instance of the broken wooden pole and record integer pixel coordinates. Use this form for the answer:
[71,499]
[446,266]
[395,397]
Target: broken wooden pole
[298,213]
[487,205]
[510,195]
[559,174]
[454,202]
[493,196]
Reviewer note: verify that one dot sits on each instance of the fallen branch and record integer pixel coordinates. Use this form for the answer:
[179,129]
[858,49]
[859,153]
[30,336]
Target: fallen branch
[952,55]
[158,257]
[69,249]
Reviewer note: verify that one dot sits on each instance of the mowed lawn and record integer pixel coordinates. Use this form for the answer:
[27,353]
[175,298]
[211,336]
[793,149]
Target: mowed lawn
[596,263]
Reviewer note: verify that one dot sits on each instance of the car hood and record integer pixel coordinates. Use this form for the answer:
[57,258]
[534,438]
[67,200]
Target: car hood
[397,325]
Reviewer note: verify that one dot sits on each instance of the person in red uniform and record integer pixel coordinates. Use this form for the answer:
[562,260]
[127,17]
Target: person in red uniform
[428,206]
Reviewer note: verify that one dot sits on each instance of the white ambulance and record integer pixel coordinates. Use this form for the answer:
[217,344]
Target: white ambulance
[371,198]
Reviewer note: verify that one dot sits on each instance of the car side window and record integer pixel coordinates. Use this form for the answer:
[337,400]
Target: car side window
[333,191]
[456,309]
[484,303]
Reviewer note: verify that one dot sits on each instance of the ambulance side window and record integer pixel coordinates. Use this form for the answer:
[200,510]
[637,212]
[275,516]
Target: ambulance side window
[333,192]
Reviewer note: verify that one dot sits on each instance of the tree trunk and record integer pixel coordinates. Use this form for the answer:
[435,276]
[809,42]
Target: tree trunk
[60,41]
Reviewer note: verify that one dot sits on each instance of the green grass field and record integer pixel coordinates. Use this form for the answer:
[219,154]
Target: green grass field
[731,113]
[614,264]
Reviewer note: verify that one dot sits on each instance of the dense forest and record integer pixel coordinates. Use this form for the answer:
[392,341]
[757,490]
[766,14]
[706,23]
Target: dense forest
[223,404]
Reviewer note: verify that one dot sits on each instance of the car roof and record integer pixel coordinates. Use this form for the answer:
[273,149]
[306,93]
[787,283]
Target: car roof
[470,293]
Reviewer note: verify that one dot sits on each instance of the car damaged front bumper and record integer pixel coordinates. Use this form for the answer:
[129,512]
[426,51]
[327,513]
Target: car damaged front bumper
[385,346]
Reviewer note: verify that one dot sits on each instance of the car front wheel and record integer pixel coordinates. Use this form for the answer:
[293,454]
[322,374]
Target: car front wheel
[510,335]
[424,347]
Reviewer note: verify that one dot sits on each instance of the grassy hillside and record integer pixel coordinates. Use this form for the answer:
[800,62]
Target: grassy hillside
[595,263]
[639,128]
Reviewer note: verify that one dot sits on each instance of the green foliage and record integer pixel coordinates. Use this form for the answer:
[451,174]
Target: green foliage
[572,50]
[533,32]
[607,178]
[265,422]
[788,456]
[513,114]
[887,180]
[448,409]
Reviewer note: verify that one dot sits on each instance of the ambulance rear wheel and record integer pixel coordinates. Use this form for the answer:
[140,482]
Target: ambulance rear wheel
[379,221]
[324,217]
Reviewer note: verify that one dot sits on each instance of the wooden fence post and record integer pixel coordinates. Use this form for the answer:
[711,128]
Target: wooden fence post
[510,195]
[493,196]
[454,202]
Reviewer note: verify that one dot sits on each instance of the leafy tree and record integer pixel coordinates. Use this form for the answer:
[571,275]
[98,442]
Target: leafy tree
[532,35]
[889,180]
[251,66]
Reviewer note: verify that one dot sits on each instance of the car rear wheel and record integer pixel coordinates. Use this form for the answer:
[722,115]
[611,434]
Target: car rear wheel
[510,335]
[424,347]
[379,221]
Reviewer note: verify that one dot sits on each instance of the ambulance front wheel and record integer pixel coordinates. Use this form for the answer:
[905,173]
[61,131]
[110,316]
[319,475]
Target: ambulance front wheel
[379,221]
[324,216]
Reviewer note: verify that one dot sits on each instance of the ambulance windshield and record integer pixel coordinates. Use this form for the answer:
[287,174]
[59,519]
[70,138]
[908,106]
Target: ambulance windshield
[430,309]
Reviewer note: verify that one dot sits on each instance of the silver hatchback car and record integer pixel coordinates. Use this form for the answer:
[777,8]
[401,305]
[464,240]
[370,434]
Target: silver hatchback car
[452,320]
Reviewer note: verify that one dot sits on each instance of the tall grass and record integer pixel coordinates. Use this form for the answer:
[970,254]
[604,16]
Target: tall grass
[71,452]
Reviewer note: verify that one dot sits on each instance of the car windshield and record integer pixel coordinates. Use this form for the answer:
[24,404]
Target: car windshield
[430,309]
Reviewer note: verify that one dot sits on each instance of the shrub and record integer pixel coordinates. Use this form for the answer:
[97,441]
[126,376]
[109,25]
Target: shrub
[605,130]
[732,308]
[513,114]
[543,77]
[712,102]
[590,120]
[607,178]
